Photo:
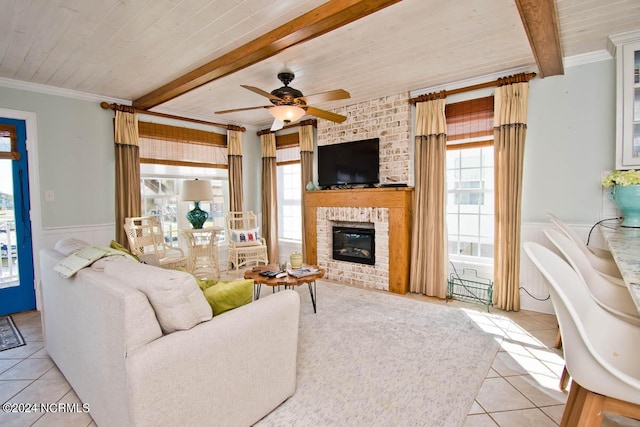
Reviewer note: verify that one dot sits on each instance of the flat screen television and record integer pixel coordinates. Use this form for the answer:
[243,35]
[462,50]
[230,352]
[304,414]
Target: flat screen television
[356,162]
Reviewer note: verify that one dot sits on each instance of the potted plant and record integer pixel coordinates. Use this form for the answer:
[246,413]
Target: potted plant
[625,191]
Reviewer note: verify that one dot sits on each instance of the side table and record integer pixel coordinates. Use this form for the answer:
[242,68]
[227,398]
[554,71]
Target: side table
[202,251]
[289,282]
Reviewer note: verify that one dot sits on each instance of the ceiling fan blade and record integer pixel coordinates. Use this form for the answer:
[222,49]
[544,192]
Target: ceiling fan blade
[277,125]
[332,95]
[323,114]
[261,92]
[241,109]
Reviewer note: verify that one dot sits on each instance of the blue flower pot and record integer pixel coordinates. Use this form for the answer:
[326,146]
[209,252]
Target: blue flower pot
[627,197]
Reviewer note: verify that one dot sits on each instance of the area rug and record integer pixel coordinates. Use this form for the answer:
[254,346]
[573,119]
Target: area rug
[10,336]
[369,358]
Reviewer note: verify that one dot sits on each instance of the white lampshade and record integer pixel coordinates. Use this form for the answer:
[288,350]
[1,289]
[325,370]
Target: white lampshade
[196,190]
[287,113]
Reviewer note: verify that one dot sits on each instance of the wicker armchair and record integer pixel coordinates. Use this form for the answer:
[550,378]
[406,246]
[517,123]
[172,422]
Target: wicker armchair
[245,244]
[146,240]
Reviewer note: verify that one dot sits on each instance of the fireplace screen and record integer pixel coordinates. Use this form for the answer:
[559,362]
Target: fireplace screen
[354,245]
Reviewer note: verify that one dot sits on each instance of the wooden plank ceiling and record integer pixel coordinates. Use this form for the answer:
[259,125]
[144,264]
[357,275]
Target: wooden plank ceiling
[129,49]
[324,18]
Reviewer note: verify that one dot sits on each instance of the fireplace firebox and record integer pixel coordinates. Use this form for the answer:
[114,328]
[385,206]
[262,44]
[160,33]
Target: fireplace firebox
[354,244]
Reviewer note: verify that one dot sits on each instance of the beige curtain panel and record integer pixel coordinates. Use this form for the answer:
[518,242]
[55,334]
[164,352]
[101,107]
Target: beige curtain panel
[269,195]
[509,140]
[126,128]
[429,238]
[234,155]
[127,159]
[306,171]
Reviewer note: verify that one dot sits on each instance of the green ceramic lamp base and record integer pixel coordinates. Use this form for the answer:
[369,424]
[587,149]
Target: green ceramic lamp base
[197,216]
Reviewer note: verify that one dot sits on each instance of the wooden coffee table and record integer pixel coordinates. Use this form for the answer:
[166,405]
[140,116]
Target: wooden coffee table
[289,282]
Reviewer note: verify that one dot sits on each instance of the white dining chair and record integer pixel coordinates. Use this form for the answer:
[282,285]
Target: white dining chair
[600,349]
[611,296]
[600,259]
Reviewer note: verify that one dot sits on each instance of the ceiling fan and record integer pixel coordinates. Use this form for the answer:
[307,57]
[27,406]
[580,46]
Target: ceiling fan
[290,104]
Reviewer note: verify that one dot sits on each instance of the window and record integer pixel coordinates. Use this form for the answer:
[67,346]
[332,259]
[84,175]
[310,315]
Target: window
[289,201]
[470,201]
[8,143]
[171,154]
[161,186]
[470,205]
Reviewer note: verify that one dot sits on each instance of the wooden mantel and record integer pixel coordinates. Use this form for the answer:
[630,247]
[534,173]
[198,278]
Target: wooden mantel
[398,200]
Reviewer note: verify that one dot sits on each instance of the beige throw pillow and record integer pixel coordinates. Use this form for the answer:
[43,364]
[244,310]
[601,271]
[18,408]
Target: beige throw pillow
[70,245]
[174,295]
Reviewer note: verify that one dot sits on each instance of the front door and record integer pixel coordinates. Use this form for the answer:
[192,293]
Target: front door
[17,291]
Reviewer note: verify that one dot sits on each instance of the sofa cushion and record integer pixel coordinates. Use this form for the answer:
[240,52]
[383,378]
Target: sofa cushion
[100,264]
[177,300]
[225,296]
[69,245]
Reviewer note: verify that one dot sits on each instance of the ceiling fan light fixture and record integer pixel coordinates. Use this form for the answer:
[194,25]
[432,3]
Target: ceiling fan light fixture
[287,113]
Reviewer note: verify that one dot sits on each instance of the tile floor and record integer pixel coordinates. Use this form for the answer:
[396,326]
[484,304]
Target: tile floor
[521,388]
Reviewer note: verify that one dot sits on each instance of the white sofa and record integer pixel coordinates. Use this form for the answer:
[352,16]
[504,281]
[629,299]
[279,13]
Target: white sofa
[104,336]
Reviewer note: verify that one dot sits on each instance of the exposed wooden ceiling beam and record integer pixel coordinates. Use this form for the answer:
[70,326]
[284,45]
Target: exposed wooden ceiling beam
[321,20]
[540,20]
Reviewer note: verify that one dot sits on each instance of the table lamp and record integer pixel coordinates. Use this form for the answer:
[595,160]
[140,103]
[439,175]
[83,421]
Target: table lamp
[195,190]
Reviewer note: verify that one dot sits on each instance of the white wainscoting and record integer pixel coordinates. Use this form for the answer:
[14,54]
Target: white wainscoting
[530,277]
[97,234]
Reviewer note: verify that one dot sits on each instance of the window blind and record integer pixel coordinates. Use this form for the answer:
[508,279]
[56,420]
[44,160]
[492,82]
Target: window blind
[173,145]
[287,148]
[470,119]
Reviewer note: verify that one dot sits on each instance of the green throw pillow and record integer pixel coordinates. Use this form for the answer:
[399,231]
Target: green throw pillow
[225,296]
[118,246]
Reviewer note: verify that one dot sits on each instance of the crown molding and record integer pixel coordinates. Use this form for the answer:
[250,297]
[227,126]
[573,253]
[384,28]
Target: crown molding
[57,91]
[473,81]
[619,39]
[587,58]
[626,37]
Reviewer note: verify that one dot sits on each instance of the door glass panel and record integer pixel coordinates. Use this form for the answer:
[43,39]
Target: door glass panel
[8,248]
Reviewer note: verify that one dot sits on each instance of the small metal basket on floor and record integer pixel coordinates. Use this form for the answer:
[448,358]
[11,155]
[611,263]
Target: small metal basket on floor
[470,288]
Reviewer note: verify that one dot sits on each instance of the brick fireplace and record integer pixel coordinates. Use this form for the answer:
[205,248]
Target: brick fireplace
[386,210]
[373,276]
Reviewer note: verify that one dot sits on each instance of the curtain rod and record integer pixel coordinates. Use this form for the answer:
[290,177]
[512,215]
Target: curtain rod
[521,77]
[106,105]
[312,122]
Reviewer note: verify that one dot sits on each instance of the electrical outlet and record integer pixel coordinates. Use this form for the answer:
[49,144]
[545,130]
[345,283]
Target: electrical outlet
[49,196]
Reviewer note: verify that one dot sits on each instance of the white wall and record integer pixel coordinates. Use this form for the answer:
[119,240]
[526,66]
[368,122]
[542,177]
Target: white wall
[75,150]
[570,141]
